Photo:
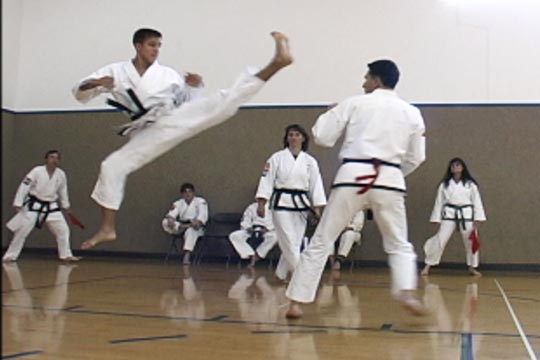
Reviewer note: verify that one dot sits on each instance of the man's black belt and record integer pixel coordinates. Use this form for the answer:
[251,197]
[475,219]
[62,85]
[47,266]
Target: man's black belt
[371,161]
[133,115]
[43,210]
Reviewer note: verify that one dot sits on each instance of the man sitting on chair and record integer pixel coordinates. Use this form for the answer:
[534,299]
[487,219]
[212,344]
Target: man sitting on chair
[255,233]
[187,217]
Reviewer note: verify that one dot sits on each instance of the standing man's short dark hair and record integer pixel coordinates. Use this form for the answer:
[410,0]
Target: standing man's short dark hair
[142,34]
[386,70]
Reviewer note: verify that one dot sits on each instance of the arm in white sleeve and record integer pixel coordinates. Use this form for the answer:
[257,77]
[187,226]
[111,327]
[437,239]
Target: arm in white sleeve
[173,212]
[437,207]
[84,96]
[330,125]
[203,211]
[316,187]
[479,213]
[184,92]
[63,193]
[24,188]
[266,183]
[247,219]
[416,152]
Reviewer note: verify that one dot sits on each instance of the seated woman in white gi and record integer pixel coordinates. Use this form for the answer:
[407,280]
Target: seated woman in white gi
[350,236]
[458,204]
[187,217]
[254,226]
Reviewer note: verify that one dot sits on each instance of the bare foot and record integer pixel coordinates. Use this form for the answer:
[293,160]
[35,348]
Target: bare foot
[283,55]
[71,259]
[99,237]
[411,303]
[336,265]
[294,312]
[474,272]
[425,270]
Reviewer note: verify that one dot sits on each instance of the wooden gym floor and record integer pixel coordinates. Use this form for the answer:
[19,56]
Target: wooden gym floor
[105,308]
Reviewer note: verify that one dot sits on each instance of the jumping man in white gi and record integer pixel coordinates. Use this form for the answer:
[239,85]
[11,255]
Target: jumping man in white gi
[384,142]
[152,95]
[187,217]
[254,225]
[40,199]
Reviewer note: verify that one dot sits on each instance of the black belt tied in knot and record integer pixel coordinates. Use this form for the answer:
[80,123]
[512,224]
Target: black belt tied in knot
[133,114]
[295,194]
[459,216]
[43,209]
[377,163]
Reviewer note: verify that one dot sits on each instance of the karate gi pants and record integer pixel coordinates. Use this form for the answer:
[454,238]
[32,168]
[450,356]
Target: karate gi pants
[434,246]
[57,225]
[290,230]
[389,212]
[346,242]
[239,240]
[167,132]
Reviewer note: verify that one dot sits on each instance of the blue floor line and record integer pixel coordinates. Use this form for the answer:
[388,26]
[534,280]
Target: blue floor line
[23,354]
[466,347]
[151,338]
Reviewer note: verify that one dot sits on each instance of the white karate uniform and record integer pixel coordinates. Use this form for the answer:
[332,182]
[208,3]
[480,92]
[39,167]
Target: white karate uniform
[459,205]
[182,212]
[285,172]
[51,189]
[250,219]
[380,126]
[352,235]
[164,126]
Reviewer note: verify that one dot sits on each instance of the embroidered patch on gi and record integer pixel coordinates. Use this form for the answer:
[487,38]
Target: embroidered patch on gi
[266,168]
[27,181]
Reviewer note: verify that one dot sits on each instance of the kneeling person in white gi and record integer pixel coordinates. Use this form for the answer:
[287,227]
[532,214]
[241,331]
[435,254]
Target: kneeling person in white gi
[253,225]
[188,217]
[40,199]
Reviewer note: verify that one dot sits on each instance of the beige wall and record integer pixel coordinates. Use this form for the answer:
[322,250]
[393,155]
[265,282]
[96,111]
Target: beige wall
[498,143]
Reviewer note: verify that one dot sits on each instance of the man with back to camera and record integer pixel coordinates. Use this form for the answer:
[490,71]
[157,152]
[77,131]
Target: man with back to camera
[384,142]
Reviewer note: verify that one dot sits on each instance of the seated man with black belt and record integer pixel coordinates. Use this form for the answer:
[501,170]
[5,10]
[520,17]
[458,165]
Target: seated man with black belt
[187,217]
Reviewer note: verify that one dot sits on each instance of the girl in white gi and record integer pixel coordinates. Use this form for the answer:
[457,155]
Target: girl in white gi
[350,236]
[254,225]
[458,204]
[151,94]
[384,141]
[292,184]
[187,216]
[40,199]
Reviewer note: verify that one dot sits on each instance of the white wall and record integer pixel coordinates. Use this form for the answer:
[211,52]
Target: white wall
[449,51]
[11,28]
